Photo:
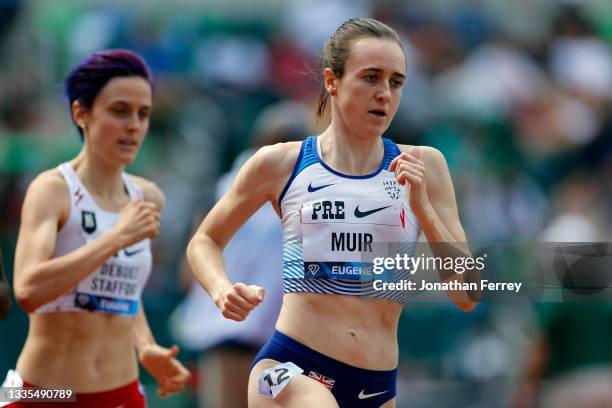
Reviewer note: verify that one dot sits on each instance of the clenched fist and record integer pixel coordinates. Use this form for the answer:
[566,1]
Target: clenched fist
[410,172]
[137,220]
[237,301]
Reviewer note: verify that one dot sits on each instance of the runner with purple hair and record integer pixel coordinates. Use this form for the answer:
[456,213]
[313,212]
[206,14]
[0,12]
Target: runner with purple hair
[83,253]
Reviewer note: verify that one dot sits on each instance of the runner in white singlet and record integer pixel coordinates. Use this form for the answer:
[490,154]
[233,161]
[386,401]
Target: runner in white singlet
[338,195]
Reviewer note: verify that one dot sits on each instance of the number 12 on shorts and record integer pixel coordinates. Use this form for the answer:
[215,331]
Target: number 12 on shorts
[274,379]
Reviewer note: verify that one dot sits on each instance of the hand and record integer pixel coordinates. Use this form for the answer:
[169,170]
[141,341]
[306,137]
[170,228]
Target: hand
[410,171]
[237,301]
[161,363]
[137,220]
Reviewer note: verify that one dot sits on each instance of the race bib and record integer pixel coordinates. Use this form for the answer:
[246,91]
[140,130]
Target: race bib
[117,285]
[341,237]
[274,379]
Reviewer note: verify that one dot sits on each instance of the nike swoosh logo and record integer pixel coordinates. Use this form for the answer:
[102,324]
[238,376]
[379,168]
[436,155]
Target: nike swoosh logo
[362,395]
[132,253]
[360,214]
[312,189]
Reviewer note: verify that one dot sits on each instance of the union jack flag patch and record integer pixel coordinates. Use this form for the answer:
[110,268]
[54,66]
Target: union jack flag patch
[326,381]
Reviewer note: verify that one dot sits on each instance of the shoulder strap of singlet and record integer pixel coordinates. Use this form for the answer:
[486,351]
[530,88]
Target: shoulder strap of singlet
[132,187]
[391,152]
[72,180]
[307,157]
[310,153]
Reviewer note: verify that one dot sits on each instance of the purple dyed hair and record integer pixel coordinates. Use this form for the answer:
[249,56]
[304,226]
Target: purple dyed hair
[87,79]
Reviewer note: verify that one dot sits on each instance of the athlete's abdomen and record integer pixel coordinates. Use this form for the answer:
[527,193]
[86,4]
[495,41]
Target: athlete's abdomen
[86,352]
[360,331]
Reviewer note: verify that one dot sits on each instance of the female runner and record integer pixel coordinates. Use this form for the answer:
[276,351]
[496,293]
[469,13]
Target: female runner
[337,194]
[83,253]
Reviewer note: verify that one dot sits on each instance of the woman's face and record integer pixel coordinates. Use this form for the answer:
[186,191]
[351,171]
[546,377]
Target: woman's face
[367,95]
[116,125]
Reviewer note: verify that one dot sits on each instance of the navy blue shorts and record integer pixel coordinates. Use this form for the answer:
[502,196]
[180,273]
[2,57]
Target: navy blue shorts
[351,386]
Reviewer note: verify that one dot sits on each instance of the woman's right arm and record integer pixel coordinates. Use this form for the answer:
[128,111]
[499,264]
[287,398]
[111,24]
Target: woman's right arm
[257,181]
[39,278]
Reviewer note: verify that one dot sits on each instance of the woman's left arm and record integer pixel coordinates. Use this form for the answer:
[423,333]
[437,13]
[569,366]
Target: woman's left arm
[160,362]
[170,374]
[424,172]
